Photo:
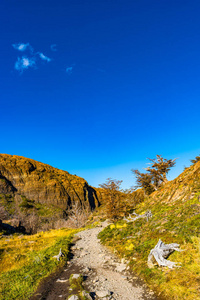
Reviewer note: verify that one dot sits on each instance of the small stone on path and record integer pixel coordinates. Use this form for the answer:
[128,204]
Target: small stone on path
[73,297]
[75,276]
[102,294]
[121,268]
[61,280]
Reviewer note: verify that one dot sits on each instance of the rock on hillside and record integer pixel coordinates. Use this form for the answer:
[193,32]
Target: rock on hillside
[25,180]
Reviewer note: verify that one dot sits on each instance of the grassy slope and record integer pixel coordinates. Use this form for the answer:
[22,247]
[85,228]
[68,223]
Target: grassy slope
[26,260]
[176,219]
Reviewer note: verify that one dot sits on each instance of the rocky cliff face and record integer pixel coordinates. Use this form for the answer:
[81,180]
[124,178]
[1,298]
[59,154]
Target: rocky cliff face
[182,188]
[25,182]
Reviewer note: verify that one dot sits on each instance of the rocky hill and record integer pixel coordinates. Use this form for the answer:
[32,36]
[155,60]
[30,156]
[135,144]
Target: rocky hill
[175,209]
[182,188]
[27,185]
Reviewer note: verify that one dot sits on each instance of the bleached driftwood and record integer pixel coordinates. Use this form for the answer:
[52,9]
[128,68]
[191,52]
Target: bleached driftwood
[147,215]
[159,254]
[59,255]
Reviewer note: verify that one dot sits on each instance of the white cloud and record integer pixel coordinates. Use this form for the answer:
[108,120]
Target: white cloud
[69,70]
[53,47]
[43,57]
[22,47]
[29,61]
[24,63]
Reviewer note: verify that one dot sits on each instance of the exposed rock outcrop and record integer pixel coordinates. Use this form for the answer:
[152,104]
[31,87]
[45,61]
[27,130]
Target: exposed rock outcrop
[28,184]
[43,183]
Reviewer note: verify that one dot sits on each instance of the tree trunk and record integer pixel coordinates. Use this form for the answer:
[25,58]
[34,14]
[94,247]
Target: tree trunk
[160,253]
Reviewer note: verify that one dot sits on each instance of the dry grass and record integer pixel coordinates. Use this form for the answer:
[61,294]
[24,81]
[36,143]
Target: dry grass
[25,260]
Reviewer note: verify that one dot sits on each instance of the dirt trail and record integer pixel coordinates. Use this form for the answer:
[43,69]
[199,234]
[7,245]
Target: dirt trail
[106,277]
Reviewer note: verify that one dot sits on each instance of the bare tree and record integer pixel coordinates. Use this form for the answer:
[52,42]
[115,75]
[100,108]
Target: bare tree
[77,216]
[32,223]
[114,204]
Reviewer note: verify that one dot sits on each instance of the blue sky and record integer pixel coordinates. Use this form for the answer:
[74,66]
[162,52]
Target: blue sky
[96,87]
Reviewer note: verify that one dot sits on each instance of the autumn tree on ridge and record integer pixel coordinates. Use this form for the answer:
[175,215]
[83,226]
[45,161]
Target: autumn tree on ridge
[156,174]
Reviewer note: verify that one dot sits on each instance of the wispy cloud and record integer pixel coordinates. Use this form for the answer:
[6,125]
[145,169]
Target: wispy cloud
[53,47]
[30,59]
[24,63]
[22,47]
[69,70]
[44,57]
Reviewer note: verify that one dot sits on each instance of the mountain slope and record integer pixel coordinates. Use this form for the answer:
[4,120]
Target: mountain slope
[183,188]
[175,219]
[26,184]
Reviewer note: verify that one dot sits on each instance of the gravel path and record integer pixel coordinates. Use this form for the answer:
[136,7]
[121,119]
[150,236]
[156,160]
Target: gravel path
[105,276]
[105,273]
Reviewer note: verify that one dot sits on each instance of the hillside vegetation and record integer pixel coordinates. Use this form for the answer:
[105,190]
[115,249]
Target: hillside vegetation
[176,219]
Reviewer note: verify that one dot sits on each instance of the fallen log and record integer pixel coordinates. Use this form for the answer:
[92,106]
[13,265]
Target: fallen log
[159,254]
[147,215]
